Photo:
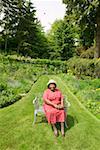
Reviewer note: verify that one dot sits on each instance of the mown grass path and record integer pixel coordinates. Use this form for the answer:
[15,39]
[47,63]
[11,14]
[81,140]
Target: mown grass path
[17,132]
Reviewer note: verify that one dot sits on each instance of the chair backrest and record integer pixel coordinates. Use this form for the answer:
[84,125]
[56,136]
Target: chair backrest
[36,103]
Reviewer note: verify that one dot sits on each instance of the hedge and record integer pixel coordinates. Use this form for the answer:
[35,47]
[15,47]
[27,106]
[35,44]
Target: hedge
[81,66]
[78,66]
[56,65]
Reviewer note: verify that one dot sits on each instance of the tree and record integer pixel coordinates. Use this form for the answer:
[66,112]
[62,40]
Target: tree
[61,39]
[54,37]
[88,17]
[6,5]
[22,31]
[12,10]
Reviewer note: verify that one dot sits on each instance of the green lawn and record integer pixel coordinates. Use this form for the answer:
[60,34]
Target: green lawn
[87,90]
[17,132]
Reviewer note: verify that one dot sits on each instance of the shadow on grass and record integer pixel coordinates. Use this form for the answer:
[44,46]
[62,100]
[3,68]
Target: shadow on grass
[71,121]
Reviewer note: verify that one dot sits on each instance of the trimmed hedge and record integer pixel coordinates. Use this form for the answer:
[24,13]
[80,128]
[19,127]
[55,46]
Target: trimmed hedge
[78,66]
[84,67]
[55,65]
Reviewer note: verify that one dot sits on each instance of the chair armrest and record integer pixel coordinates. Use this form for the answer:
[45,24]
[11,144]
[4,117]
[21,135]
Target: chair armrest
[34,100]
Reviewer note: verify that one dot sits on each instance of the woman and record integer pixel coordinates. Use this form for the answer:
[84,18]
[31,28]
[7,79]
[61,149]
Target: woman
[53,106]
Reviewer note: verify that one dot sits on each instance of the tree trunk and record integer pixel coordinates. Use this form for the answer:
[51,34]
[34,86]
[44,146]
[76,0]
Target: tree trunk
[6,39]
[97,52]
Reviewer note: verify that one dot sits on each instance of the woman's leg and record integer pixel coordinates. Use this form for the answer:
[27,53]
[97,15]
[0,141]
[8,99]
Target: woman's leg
[62,128]
[55,129]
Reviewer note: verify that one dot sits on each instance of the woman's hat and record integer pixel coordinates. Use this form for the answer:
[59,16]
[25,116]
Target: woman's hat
[51,81]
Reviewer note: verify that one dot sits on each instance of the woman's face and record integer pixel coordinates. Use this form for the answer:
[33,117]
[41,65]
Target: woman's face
[52,87]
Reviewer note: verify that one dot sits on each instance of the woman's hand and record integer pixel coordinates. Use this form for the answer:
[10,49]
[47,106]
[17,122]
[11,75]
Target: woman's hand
[58,106]
[61,106]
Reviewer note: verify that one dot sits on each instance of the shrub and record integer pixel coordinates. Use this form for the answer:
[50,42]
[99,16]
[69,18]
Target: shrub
[58,64]
[84,67]
[89,53]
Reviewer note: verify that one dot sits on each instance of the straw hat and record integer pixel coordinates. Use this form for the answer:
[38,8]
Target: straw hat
[51,81]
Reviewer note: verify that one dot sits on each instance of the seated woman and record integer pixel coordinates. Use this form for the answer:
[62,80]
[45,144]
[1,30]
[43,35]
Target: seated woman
[54,107]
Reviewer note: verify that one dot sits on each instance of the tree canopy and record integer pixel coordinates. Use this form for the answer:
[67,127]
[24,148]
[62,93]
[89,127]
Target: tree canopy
[61,38]
[88,17]
[22,32]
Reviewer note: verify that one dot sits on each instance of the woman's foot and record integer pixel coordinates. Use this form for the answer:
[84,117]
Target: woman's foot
[63,134]
[55,130]
[56,133]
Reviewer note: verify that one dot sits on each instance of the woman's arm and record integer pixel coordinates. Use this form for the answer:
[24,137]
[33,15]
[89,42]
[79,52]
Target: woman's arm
[45,98]
[50,103]
[62,104]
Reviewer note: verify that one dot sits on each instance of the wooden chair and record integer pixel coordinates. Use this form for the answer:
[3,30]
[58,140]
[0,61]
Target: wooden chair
[38,109]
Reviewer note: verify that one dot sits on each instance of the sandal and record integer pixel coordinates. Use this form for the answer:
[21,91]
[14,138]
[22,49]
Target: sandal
[63,134]
[56,133]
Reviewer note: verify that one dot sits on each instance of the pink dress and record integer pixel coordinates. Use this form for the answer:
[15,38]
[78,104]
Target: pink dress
[53,115]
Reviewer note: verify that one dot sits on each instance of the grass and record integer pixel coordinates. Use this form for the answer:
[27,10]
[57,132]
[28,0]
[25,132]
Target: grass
[17,132]
[87,91]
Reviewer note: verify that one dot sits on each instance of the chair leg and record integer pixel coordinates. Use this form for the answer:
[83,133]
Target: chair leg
[66,124]
[66,118]
[35,114]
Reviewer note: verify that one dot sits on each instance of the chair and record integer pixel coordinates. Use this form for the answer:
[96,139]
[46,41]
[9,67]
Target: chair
[39,109]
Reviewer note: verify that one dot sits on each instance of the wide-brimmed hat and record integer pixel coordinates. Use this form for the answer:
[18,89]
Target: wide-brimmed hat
[51,81]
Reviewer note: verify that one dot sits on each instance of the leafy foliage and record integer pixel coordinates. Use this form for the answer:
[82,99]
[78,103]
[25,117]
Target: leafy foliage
[88,18]
[18,74]
[16,80]
[61,39]
[21,31]
[84,67]
[89,53]
[87,91]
